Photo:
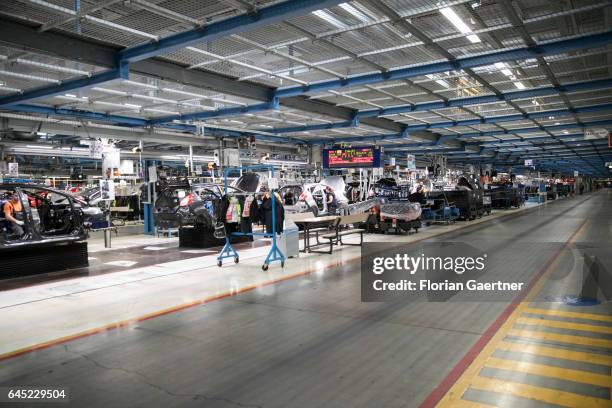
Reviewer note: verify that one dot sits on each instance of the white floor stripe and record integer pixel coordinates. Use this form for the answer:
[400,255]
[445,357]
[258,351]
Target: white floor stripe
[121,263]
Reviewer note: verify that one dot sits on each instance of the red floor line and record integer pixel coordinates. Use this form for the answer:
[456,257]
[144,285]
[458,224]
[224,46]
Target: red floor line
[443,387]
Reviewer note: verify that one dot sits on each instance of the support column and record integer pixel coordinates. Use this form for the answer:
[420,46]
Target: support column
[149,223]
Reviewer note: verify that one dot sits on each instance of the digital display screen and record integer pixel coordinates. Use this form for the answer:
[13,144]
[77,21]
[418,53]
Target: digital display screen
[351,157]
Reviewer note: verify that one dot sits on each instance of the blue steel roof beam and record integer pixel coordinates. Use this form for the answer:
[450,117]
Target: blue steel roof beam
[506,118]
[428,43]
[551,151]
[602,123]
[238,110]
[532,152]
[529,41]
[479,100]
[119,73]
[404,147]
[558,151]
[493,38]
[575,87]
[224,28]
[336,47]
[307,128]
[517,159]
[465,136]
[137,122]
[75,113]
[543,49]
[523,140]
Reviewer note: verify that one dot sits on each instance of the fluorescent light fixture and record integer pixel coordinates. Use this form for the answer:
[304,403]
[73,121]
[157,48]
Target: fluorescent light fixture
[519,85]
[327,16]
[503,68]
[70,95]
[233,121]
[131,105]
[109,91]
[32,77]
[356,13]
[443,83]
[459,24]
[39,147]
[438,81]
[161,111]
[136,83]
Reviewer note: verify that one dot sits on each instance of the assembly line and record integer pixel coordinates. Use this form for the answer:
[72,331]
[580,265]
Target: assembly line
[297,203]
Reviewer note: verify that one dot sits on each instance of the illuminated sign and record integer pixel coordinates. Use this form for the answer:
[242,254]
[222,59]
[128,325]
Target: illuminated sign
[351,157]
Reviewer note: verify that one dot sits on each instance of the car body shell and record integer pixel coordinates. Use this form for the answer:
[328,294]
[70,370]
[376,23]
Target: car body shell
[178,206]
[50,216]
[311,196]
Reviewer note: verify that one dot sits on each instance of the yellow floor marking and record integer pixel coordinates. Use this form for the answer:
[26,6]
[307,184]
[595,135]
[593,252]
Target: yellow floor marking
[563,313]
[467,378]
[565,338]
[565,399]
[564,325]
[470,404]
[557,353]
[550,371]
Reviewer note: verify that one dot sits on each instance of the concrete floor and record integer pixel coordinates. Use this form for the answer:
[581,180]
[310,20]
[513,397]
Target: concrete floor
[307,340]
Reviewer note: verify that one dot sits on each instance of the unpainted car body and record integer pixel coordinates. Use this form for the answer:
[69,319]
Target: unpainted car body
[311,197]
[49,216]
[90,201]
[178,206]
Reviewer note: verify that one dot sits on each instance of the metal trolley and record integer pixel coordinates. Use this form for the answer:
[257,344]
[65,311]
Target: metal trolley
[275,253]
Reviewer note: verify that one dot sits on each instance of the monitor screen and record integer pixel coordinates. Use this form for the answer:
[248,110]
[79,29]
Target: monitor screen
[351,157]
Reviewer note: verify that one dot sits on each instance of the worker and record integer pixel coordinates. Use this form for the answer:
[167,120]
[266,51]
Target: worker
[13,212]
[332,202]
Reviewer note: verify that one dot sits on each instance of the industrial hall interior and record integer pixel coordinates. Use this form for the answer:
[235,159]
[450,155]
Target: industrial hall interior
[306,203]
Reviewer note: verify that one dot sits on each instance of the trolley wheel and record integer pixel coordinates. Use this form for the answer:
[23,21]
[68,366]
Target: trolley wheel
[219,263]
[236,259]
[264,267]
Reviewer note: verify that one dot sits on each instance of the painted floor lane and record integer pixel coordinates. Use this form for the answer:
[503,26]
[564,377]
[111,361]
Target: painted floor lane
[549,353]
